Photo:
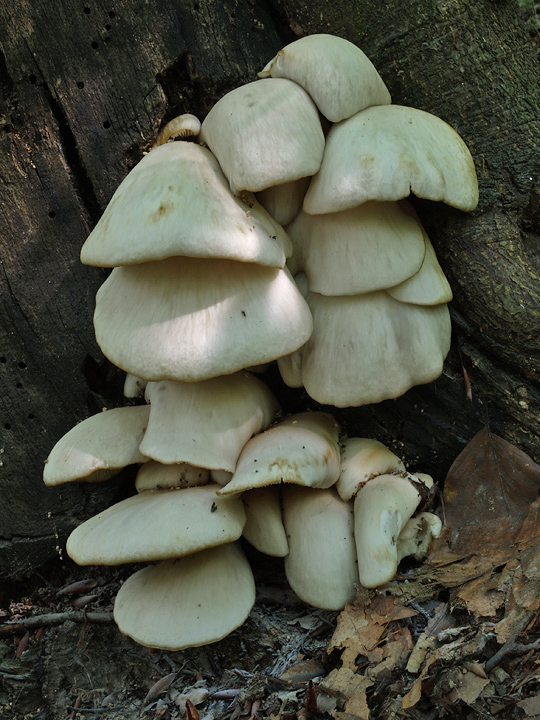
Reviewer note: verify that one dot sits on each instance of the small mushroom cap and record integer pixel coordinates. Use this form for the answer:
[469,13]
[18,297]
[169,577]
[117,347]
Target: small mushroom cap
[361,459]
[134,386]
[387,152]
[157,476]
[184,126]
[264,525]
[188,319]
[157,524]
[370,247]
[265,133]
[98,447]
[428,286]
[381,510]
[303,449]
[336,74]
[188,602]
[284,201]
[321,566]
[176,201]
[417,535]
[368,348]
[206,423]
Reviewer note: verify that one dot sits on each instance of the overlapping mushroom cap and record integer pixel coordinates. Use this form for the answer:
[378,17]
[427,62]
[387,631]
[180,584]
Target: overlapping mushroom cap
[265,133]
[387,152]
[176,201]
[98,447]
[189,319]
[336,74]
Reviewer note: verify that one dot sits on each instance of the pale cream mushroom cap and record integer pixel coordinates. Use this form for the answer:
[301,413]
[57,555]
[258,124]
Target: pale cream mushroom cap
[336,74]
[221,477]
[362,459]
[188,319]
[206,423]
[264,524]
[428,286]
[98,447]
[134,386]
[382,508]
[265,133]
[368,348]
[158,476]
[176,201]
[188,602]
[303,449]
[183,126]
[157,524]
[417,535]
[284,201]
[370,247]
[321,566]
[387,152]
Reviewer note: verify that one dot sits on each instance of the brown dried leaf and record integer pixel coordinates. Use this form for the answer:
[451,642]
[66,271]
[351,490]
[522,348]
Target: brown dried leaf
[415,693]
[469,688]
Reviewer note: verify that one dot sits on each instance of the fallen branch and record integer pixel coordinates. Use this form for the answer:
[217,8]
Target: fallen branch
[53,619]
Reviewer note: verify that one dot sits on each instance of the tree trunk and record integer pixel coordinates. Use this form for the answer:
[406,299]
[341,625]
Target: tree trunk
[84,91]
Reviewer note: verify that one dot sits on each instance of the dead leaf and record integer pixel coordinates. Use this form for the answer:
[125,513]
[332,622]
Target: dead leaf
[468,688]
[531,706]
[415,693]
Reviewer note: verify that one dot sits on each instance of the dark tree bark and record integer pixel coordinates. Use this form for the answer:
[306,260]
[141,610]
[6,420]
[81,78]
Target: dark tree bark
[85,88]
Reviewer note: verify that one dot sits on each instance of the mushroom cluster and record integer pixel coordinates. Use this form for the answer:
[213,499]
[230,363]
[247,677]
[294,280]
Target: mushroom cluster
[198,236]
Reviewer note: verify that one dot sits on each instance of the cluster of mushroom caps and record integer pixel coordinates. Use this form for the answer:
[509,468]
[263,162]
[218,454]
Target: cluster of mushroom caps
[200,292]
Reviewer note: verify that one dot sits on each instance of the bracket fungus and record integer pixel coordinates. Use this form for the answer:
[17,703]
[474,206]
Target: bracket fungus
[200,292]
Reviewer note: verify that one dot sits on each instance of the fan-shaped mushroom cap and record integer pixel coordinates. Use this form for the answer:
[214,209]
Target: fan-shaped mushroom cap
[158,476]
[157,524]
[337,75]
[176,201]
[387,152]
[98,447]
[206,423]
[188,319]
[428,286]
[361,460]
[303,449]
[188,602]
[367,348]
[284,201]
[370,247]
[184,126]
[264,525]
[417,534]
[321,566]
[265,133]
[381,510]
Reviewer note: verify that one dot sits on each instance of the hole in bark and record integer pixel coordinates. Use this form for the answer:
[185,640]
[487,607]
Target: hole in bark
[108,27]
[107,39]
[31,416]
[18,386]
[80,85]
[94,45]
[7,426]
[33,79]
[22,365]
[86,10]
[52,214]
[106,124]
[112,14]
[3,360]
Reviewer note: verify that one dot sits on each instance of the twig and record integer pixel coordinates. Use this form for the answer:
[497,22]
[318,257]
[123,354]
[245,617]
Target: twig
[510,647]
[53,619]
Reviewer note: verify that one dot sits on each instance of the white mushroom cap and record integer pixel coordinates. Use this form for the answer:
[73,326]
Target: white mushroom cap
[321,566]
[387,152]
[265,133]
[337,75]
[362,459]
[157,476]
[98,447]
[417,535]
[192,601]
[284,201]
[368,348]
[183,126]
[188,319]
[221,477]
[134,386]
[382,508]
[303,449]
[206,423]
[370,247]
[176,201]
[264,525]
[158,524]
[428,286]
